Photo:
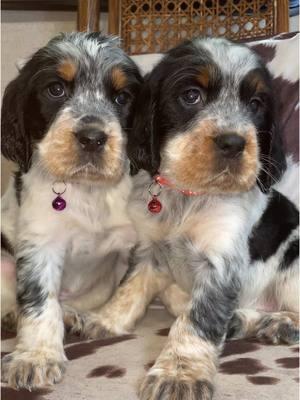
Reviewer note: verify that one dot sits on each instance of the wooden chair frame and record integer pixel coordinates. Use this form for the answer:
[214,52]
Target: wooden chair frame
[89,13]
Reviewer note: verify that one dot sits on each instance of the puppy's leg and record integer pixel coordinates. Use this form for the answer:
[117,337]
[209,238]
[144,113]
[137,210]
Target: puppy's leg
[277,327]
[8,284]
[102,289]
[38,359]
[175,299]
[186,367]
[8,292]
[119,240]
[122,311]
[274,327]
[127,305]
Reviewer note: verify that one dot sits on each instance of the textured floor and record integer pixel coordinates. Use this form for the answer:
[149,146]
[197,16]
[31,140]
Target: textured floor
[111,369]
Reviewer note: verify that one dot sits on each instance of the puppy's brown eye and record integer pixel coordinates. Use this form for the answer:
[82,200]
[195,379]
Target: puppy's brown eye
[122,98]
[255,104]
[56,90]
[191,96]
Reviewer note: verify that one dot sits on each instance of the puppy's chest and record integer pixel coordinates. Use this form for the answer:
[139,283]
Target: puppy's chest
[93,255]
[84,248]
[207,228]
[90,224]
[183,238]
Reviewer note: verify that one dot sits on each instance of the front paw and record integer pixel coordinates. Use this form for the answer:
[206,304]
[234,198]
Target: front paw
[159,387]
[86,325]
[31,370]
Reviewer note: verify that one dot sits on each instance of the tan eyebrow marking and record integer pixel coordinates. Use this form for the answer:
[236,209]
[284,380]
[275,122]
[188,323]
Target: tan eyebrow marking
[203,77]
[67,70]
[256,81]
[119,78]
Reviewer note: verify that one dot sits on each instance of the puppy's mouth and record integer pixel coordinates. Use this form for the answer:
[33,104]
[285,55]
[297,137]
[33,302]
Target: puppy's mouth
[226,181]
[86,170]
[229,180]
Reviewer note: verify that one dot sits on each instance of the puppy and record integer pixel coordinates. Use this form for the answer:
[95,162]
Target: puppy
[64,217]
[212,223]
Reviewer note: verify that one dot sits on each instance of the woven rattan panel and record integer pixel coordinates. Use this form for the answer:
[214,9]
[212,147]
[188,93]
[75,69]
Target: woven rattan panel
[155,26]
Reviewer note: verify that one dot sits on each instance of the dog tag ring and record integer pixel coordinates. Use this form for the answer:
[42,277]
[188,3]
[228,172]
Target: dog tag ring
[154,205]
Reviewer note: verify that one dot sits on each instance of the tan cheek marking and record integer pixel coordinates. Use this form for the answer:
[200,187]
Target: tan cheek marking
[193,163]
[194,156]
[112,158]
[119,79]
[60,153]
[67,70]
[249,166]
[58,149]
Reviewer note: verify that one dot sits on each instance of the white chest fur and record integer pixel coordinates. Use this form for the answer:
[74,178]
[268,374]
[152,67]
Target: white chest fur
[215,227]
[94,229]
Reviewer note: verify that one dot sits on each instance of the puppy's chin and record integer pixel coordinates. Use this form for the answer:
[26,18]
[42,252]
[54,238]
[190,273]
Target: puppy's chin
[224,182]
[97,175]
[191,162]
[88,173]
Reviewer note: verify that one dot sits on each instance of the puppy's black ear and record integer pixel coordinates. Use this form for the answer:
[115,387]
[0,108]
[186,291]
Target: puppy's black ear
[273,160]
[143,141]
[15,143]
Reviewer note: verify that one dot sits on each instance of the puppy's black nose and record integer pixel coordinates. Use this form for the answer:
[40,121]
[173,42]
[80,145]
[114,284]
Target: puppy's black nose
[230,144]
[91,139]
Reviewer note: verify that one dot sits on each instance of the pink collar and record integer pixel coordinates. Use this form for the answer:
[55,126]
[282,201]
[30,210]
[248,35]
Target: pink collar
[154,205]
[165,182]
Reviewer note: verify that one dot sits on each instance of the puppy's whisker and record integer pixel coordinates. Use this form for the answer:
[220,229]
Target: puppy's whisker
[272,162]
[225,171]
[268,173]
[261,183]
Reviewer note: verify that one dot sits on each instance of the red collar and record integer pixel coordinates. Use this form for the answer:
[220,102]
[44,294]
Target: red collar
[160,180]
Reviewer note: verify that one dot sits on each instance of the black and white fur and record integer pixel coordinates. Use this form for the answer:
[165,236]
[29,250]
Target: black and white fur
[230,253]
[65,120]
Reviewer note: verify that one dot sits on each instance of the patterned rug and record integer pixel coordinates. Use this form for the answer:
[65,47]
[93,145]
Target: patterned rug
[111,369]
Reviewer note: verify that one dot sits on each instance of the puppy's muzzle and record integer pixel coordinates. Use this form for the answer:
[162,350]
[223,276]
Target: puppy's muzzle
[230,145]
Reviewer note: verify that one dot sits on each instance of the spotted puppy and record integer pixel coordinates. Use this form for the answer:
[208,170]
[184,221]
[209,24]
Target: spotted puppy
[214,225]
[64,218]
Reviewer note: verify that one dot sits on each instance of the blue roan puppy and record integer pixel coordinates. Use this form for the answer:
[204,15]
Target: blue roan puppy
[64,217]
[217,225]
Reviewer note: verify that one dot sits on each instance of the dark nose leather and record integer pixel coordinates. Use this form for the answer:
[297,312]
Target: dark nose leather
[91,139]
[230,145]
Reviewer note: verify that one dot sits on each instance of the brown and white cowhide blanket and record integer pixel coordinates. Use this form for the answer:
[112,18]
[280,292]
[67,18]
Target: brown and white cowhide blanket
[281,55]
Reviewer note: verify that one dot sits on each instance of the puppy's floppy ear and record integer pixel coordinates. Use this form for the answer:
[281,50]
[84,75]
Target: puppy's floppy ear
[273,160]
[15,142]
[143,141]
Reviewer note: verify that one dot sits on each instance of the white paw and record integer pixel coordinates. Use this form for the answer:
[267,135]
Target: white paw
[32,370]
